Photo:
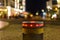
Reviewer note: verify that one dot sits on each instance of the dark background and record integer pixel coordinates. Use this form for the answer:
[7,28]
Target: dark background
[33,6]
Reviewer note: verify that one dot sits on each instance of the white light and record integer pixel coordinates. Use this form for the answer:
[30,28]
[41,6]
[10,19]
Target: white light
[37,13]
[54,16]
[42,10]
[23,3]
[21,6]
[58,1]
[48,7]
[58,6]
[21,11]
[17,4]
[18,10]
[9,11]
[44,13]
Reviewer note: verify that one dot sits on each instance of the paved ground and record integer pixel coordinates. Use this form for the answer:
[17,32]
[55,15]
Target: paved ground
[14,32]
[11,32]
[52,32]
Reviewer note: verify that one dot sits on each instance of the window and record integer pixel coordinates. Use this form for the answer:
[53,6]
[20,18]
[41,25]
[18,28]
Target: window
[54,2]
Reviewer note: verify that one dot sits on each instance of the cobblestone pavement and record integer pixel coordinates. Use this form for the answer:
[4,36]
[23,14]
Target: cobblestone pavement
[14,32]
[52,32]
[11,32]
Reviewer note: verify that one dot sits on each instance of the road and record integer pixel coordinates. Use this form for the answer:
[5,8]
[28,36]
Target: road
[14,32]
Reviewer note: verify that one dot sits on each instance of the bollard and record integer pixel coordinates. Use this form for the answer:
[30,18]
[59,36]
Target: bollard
[33,30]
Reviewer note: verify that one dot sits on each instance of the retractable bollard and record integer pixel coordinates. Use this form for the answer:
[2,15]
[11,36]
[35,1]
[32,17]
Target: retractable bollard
[33,30]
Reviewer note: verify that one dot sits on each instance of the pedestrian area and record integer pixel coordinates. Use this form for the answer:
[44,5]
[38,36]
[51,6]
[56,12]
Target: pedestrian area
[14,32]
[52,32]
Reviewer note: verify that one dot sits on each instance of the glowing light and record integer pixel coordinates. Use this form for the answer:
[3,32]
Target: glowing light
[25,25]
[31,25]
[54,16]
[48,7]
[58,1]
[42,10]
[31,15]
[41,25]
[58,5]
[56,9]
[22,24]
[17,4]
[37,13]
[37,25]
[23,3]
[21,7]
[9,11]
[25,16]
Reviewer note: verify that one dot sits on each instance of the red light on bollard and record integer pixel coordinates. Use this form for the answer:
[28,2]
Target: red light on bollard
[25,25]
[41,24]
[22,24]
[31,25]
[37,25]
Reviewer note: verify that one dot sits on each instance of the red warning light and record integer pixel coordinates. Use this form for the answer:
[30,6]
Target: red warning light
[41,24]
[37,25]
[31,25]
[24,25]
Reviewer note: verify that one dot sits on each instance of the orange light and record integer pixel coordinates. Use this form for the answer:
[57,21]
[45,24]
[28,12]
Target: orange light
[37,25]
[24,25]
[31,25]
[41,25]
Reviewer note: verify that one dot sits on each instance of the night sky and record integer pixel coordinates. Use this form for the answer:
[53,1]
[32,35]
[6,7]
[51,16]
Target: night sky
[35,5]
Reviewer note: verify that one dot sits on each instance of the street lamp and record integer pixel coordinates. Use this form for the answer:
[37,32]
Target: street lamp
[31,15]
[37,13]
